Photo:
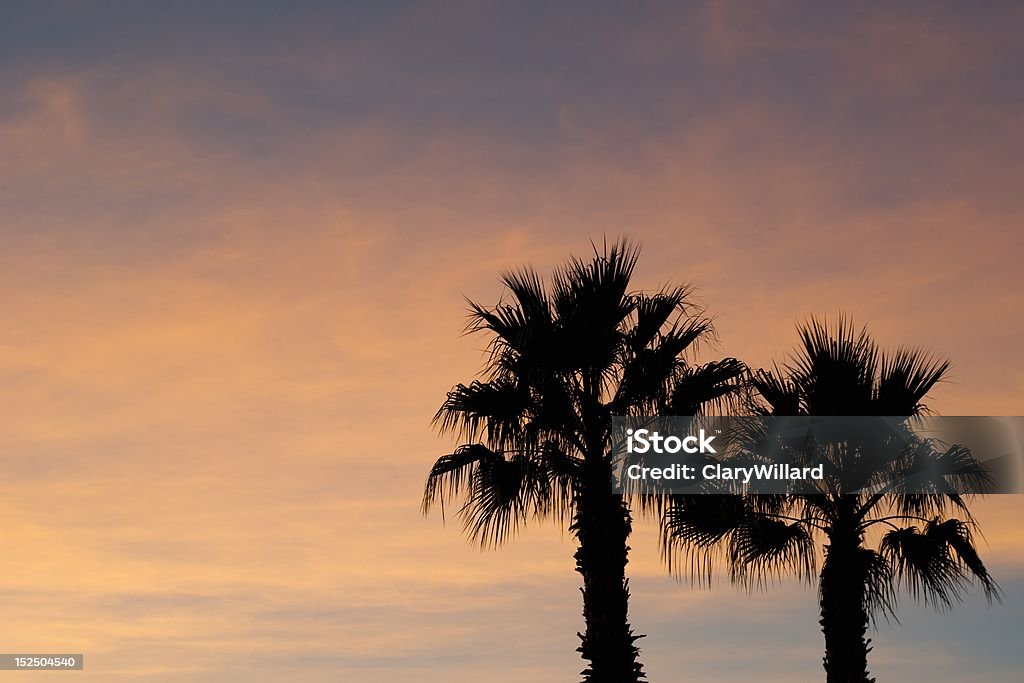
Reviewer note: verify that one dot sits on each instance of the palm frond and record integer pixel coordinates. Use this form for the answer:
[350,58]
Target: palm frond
[495,409]
[835,368]
[765,548]
[648,373]
[696,388]
[960,539]
[527,286]
[937,563]
[927,480]
[499,493]
[451,474]
[654,312]
[905,378]
[877,573]
[780,392]
[504,493]
[696,529]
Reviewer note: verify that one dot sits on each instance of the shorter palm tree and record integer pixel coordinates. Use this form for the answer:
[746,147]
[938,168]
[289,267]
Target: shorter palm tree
[838,371]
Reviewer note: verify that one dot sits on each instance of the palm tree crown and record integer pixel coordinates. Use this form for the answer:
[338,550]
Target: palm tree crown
[562,360]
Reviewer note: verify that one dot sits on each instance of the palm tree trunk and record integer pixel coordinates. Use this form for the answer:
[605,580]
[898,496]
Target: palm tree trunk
[844,618]
[602,526]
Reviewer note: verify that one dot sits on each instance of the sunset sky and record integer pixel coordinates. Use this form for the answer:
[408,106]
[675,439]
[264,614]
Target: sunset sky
[235,242]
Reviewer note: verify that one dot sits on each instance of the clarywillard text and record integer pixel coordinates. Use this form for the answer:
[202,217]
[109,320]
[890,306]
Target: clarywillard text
[777,472]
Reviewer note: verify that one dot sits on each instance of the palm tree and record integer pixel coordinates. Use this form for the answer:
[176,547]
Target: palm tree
[562,360]
[838,371]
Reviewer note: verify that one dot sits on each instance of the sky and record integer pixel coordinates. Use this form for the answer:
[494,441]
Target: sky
[235,245]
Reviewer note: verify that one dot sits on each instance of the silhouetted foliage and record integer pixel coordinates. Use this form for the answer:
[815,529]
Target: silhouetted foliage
[563,358]
[838,370]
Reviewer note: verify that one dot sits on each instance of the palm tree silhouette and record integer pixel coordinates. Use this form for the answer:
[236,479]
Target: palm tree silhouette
[839,371]
[562,361]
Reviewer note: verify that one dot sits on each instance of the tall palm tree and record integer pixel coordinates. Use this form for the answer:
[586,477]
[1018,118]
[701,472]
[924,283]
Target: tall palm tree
[839,371]
[562,360]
